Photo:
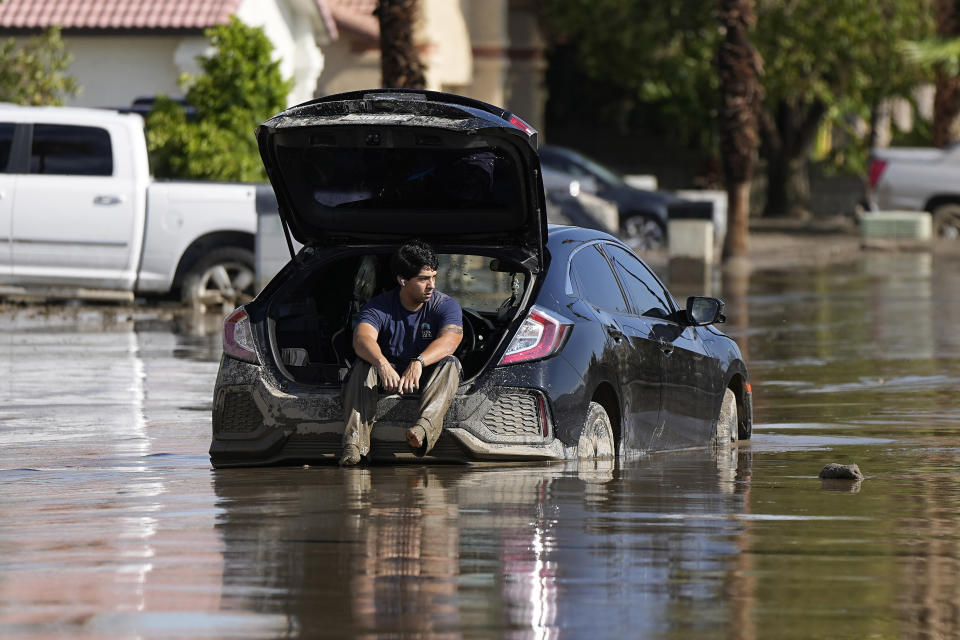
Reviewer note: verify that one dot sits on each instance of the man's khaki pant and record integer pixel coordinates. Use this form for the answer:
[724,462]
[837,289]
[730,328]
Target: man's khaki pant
[362,391]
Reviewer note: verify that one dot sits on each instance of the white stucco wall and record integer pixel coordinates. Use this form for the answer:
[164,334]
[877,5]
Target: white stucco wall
[292,27]
[113,70]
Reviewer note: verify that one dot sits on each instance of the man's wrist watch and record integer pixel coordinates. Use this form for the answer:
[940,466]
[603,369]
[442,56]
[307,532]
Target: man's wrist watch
[420,360]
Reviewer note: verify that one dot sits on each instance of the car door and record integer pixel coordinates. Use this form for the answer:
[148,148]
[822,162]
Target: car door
[636,361]
[74,213]
[7,130]
[690,378]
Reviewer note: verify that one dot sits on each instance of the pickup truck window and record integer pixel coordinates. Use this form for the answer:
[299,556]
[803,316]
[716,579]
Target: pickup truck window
[6,141]
[71,150]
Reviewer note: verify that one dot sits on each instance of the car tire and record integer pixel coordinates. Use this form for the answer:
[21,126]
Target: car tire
[223,278]
[596,438]
[727,421]
[641,232]
[946,221]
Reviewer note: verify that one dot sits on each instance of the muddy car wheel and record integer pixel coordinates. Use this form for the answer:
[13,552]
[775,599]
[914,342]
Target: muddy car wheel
[596,439]
[223,278]
[727,428]
[641,233]
[946,221]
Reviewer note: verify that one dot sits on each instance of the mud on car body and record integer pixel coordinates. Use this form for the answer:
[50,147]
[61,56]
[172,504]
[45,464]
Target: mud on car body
[571,348]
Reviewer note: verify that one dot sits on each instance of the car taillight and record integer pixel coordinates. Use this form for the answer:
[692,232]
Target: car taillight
[540,335]
[875,171]
[238,337]
[520,124]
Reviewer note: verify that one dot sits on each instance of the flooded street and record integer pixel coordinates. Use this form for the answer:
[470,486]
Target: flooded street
[113,524]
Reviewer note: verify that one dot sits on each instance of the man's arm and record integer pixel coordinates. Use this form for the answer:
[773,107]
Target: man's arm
[442,346]
[365,345]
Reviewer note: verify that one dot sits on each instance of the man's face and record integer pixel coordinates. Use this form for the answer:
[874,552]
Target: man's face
[419,288]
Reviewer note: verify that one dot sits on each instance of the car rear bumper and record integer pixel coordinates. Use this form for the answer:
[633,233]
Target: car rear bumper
[258,420]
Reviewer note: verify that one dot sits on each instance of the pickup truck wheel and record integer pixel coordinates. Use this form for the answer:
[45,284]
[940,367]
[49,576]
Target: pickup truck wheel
[641,232]
[946,221]
[222,278]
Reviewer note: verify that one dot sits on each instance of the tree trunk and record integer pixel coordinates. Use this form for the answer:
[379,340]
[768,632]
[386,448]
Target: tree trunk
[787,143]
[946,101]
[400,63]
[738,66]
[946,109]
[788,185]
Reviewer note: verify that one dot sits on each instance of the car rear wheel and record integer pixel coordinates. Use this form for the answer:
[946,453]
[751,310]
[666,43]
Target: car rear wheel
[223,278]
[641,233]
[946,221]
[727,429]
[596,439]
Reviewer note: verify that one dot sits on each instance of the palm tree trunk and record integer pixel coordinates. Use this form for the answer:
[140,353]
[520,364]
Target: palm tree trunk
[739,66]
[400,63]
[946,101]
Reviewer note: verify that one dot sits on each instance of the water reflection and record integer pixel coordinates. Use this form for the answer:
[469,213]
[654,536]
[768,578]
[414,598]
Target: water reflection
[450,551]
[86,417]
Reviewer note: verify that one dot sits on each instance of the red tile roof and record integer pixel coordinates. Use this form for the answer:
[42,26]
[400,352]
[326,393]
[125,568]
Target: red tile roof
[125,14]
[356,16]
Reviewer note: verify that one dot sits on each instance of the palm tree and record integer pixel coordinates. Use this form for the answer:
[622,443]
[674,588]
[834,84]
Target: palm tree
[946,101]
[400,62]
[739,66]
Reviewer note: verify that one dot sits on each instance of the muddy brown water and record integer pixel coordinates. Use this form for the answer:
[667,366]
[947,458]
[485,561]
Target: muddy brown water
[112,523]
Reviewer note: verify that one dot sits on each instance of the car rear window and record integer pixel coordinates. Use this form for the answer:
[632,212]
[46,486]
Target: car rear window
[331,185]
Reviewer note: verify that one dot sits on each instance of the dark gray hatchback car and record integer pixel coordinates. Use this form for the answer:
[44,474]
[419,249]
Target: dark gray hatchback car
[572,347]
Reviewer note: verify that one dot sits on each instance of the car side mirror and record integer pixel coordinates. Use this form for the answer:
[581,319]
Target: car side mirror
[703,310]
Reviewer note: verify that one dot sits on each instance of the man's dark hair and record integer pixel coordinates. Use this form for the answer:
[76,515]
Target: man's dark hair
[413,256]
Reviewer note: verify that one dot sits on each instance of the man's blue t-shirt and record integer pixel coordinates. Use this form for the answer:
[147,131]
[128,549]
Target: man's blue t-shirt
[402,334]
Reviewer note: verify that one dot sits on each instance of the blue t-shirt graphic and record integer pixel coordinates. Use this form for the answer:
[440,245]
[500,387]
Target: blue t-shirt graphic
[402,334]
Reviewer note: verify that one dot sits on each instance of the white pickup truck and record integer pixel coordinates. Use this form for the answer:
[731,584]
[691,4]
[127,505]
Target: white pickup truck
[920,179]
[80,214]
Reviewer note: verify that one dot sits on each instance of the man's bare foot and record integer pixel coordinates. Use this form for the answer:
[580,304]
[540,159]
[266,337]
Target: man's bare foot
[415,436]
[350,455]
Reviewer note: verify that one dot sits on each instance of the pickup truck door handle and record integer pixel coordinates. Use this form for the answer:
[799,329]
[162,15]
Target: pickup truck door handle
[107,200]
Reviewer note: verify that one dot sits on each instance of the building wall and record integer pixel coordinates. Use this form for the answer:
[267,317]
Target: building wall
[490,50]
[351,63]
[293,32]
[113,70]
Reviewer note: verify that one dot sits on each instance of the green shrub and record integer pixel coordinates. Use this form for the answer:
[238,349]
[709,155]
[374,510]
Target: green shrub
[240,86]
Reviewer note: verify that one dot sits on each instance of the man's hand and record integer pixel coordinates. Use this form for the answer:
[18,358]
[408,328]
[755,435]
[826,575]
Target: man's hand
[389,377]
[410,380]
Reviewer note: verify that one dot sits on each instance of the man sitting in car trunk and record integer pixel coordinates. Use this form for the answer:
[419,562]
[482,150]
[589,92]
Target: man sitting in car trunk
[413,328]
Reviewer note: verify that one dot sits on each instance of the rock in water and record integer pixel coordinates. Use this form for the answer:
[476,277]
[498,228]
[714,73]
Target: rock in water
[841,472]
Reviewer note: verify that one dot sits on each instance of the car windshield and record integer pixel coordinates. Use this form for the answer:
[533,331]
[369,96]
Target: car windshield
[473,282]
[398,179]
[600,171]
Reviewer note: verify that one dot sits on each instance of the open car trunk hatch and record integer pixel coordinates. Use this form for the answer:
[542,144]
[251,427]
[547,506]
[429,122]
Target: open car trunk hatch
[312,316]
[381,167]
